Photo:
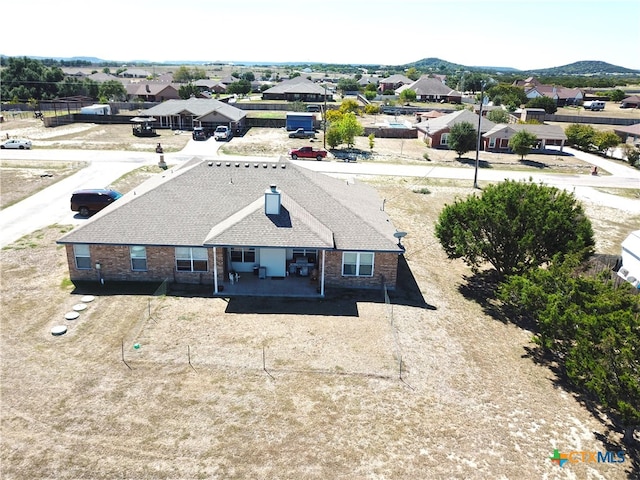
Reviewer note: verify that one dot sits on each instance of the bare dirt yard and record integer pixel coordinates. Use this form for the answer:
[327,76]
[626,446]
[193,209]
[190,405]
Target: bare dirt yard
[349,387]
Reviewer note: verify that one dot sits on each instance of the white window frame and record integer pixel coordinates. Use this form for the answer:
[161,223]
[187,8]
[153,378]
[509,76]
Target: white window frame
[492,142]
[358,264]
[138,256]
[444,139]
[194,256]
[82,255]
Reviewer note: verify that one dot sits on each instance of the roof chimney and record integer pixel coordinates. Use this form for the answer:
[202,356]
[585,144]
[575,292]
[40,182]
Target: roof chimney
[272,201]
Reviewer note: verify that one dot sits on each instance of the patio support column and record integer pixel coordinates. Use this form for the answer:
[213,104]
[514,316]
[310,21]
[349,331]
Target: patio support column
[215,270]
[322,276]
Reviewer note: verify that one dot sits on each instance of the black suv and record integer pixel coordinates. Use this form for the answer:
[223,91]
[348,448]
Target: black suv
[86,202]
[200,133]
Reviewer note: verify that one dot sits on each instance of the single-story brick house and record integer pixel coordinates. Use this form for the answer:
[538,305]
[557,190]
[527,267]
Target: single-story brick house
[209,222]
[152,91]
[431,89]
[436,130]
[497,139]
[196,112]
[632,101]
[393,82]
[298,89]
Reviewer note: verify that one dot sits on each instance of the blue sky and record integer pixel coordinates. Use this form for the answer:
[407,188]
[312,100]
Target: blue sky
[514,33]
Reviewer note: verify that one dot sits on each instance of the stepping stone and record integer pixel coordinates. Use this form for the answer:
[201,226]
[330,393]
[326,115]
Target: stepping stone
[87,299]
[71,315]
[79,307]
[58,330]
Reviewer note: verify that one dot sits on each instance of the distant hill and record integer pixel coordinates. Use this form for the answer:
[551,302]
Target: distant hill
[585,67]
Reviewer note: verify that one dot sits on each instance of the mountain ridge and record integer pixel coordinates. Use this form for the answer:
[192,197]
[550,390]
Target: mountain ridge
[582,67]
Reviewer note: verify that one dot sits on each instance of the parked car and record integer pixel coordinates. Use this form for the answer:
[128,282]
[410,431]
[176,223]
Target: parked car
[302,133]
[89,201]
[200,133]
[19,143]
[308,152]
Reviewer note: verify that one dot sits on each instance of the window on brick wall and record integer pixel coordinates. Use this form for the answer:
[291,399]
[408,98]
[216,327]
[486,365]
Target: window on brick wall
[357,264]
[191,259]
[444,139]
[83,257]
[138,258]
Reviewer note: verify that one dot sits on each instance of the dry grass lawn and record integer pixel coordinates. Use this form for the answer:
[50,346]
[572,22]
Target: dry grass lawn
[277,389]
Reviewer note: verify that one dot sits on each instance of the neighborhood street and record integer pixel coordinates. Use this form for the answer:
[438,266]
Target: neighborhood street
[51,205]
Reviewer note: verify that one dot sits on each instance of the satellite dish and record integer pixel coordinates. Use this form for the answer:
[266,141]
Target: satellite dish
[400,235]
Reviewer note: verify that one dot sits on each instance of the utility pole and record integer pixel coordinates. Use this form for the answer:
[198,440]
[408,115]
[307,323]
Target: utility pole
[324,115]
[475,175]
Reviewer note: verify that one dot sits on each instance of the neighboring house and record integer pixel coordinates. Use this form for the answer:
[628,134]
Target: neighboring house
[631,102]
[497,139]
[264,220]
[630,134]
[630,269]
[393,82]
[213,86]
[297,89]
[196,112]
[152,91]
[527,83]
[561,95]
[436,130]
[367,79]
[430,89]
[102,77]
[135,73]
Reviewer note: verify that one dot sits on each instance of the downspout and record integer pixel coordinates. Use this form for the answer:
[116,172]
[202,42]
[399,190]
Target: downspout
[322,276]
[215,271]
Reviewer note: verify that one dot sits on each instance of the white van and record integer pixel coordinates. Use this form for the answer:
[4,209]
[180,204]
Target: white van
[594,105]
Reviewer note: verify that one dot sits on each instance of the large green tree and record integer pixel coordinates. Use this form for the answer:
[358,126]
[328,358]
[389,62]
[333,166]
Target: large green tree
[514,226]
[408,95]
[604,140]
[349,128]
[580,135]
[547,103]
[506,94]
[590,327]
[462,138]
[522,143]
[25,78]
[112,90]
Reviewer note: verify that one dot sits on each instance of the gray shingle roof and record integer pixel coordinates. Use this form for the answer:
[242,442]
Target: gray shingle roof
[195,106]
[297,85]
[223,205]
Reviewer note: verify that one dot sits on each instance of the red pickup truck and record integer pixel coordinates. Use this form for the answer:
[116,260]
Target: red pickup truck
[307,152]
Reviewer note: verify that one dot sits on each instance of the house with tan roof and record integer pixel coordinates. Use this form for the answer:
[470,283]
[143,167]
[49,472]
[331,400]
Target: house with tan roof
[497,138]
[436,130]
[241,227]
[431,89]
[152,91]
[393,82]
[196,112]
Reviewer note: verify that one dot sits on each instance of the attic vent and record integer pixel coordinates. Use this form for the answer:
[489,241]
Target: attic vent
[246,165]
[255,165]
[218,164]
[273,165]
[283,165]
[228,164]
[210,164]
[237,164]
[264,165]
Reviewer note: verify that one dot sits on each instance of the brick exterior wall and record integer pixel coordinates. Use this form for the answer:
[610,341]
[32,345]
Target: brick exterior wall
[385,268]
[115,261]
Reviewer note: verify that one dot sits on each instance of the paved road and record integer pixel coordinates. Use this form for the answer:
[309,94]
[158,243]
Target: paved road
[51,205]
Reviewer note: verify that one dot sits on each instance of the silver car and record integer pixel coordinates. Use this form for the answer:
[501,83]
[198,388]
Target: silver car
[19,143]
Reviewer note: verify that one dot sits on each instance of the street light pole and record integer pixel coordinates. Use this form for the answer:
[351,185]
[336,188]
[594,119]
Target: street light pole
[475,175]
[324,116]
